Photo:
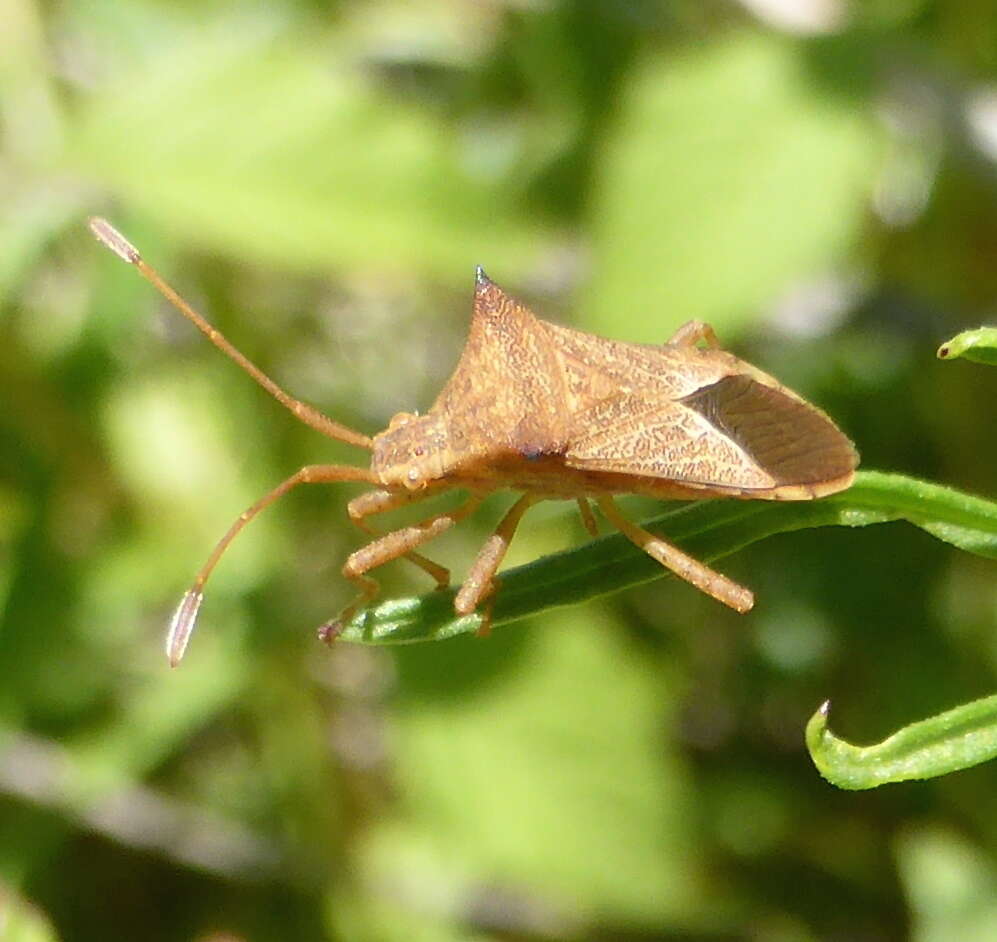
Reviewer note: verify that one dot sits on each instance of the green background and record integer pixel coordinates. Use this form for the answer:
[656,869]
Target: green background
[321,179]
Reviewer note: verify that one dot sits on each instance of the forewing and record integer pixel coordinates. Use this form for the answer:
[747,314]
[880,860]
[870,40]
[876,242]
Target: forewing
[596,368]
[665,440]
[738,432]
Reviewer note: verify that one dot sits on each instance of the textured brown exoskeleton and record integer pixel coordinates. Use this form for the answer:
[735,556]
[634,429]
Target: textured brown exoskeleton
[556,414]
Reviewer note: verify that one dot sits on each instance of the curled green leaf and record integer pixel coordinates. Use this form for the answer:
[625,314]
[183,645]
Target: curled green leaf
[957,739]
[979,345]
[708,530]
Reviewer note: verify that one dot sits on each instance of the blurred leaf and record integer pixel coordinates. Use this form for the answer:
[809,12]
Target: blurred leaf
[12,520]
[979,345]
[956,739]
[708,530]
[159,715]
[375,919]
[34,206]
[22,922]
[273,146]
[29,220]
[550,797]
[731,173]
[46,775]
[951,886]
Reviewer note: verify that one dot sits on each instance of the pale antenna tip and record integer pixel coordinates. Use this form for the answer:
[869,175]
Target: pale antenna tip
[481,279]
[182,625]
[108,236]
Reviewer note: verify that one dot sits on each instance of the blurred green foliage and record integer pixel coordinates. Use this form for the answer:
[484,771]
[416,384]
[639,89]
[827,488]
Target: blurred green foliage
[321,179]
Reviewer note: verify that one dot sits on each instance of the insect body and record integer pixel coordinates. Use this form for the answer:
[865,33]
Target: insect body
[556,414]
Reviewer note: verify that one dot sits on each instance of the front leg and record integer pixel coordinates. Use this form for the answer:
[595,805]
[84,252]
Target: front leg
[383,550]
[378,502]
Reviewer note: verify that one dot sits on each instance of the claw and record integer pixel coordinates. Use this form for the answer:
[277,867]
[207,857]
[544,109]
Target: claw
[330,631]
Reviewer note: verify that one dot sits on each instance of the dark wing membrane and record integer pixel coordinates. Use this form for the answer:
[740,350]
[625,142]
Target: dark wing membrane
[788,439]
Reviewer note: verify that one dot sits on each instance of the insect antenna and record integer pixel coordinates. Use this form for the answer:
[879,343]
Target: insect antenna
[185,616]
[108,236]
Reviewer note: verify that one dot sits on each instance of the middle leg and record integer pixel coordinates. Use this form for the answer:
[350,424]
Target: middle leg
[480,581]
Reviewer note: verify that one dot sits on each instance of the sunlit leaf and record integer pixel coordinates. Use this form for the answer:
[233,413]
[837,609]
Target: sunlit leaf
[256,142]
[594,823]
[731,172]
[22,922]
[949,881]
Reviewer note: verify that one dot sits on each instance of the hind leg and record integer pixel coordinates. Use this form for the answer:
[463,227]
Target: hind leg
[684,566]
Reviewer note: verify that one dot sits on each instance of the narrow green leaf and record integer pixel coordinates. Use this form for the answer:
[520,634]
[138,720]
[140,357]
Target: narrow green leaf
[957,739]
[979,345]
[708,530]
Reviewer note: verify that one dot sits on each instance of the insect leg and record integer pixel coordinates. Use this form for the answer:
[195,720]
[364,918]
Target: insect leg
[691,332]
[588,519]
[671,557]
[376,502]
[383,550]
[185,616]
[480,582]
